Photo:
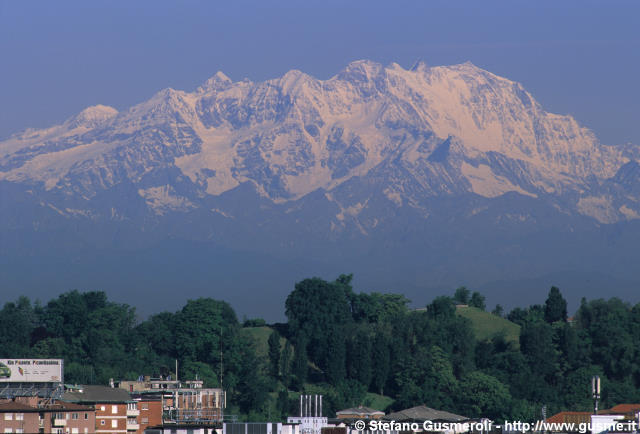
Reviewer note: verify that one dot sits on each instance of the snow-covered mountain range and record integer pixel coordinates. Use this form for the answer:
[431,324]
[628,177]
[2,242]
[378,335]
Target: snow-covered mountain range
[370,153]
[428,131]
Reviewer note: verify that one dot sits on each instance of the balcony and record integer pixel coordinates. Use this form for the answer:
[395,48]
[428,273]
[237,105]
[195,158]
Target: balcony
[133,426]
[59,422]
[133,412]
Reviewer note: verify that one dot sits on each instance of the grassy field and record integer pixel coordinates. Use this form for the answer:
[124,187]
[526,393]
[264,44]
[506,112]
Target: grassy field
[487,325]
[260,335]
[377,402]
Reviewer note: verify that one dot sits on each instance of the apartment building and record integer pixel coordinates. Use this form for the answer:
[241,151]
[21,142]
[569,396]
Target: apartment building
[115,411]
[55,418]
[180,401]
[150,408]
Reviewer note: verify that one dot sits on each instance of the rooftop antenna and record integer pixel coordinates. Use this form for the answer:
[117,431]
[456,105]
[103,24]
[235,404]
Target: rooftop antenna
[595,392]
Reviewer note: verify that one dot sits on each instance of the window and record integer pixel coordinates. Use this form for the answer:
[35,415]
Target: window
[114,423]
[102,422]
[19,416]
[114,409]
[103,408]
[74,430]
[74,416]
[86,430]
[19,430]
[86,416]
[7,429]
[8,416]
[145,406]
[145,420]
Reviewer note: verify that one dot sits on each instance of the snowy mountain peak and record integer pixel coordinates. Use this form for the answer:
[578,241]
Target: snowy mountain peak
[93,116]
[218,82]
[361,70]
[414,134]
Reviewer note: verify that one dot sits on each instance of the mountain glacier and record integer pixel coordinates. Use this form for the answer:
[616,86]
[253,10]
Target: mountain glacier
[377,154]
[448,129]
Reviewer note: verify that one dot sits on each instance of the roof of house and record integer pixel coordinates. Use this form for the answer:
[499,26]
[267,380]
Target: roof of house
[623,408]
[422,412]
[570,416]
[68,406]
[95,394]
[19,407]
[12,407]
[358,410]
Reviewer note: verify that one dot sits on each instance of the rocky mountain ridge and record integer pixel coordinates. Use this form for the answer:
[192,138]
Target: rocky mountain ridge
[410,134]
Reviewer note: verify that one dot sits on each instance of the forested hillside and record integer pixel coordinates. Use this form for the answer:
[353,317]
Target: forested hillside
[355,348]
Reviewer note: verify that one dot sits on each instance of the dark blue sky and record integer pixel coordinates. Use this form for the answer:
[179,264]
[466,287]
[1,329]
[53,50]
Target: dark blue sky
[577,57]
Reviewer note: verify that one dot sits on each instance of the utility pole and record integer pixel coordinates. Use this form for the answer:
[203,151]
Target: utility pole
[221,367]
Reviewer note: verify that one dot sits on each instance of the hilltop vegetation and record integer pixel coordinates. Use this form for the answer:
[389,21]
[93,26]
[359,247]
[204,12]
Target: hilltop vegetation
[486,325]
[354,348]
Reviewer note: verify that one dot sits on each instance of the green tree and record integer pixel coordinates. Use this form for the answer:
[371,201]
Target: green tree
[462,295]
[300,363]
[498,310]
[274,353]
[285,363]
[441,308]
[536,344]
[251,392]
[17,321]
[484,396]
[380,361]
[555,308]
[335,360]
[439,383]
[359,357]
[282,404]
[199,328]
[477,300]
[320,310]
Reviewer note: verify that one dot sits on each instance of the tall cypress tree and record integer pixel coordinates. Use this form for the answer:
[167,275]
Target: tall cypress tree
[274,353]
[555,308]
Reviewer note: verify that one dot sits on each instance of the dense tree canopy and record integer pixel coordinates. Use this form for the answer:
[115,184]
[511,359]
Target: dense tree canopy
[345,344]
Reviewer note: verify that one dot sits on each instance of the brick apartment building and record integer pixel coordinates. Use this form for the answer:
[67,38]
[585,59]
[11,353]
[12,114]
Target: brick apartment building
[115,411]
[23,416]
[150,408]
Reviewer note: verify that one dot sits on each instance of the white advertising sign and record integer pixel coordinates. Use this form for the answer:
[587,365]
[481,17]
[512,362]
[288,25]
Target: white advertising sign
[31,370]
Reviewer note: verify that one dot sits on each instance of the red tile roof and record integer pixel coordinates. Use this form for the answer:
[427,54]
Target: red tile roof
[623,408]
[570,416]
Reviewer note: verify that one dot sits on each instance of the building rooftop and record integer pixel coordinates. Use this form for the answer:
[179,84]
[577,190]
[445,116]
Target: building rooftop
[422,413]
[19,407]
[12,407]
[93,394]
[358,411]
[622,409]
[570,416]
[68,406]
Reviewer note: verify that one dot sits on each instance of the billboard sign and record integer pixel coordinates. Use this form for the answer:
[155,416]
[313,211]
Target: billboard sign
[31,370]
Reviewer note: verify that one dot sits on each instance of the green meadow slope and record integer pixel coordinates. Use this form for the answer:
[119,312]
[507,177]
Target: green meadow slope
[487,325]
